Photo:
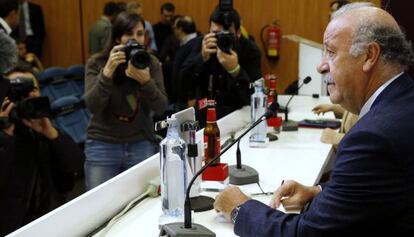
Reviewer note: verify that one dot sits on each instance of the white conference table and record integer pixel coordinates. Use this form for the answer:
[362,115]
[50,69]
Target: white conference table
[295,155]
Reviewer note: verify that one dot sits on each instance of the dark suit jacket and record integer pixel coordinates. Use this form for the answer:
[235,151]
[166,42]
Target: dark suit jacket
[182,87]
[34,43]
[372,185]
[35,172]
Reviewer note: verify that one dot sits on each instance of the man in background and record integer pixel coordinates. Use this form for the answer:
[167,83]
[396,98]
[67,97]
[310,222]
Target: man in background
[163,29]
[36,160]
[9,15]
[101,30]
[182,87]
[31,30]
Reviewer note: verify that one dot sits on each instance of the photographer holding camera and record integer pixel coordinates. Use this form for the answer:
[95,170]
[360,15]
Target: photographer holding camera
[223,63]
[124,88]
[38,162]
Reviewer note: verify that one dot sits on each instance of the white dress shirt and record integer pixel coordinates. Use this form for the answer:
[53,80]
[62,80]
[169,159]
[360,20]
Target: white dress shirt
[371,100]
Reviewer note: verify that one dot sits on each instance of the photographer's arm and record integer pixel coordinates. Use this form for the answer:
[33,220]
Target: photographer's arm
[7,141]
[7,147]
[153,90]
[68,153]
[97,87]
[250,64]
[98,79]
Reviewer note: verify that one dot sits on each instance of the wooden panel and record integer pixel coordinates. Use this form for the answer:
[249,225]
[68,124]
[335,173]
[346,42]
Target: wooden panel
[68,23]
[63,45]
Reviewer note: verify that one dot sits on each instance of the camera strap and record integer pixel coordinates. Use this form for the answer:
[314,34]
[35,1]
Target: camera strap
[5,123]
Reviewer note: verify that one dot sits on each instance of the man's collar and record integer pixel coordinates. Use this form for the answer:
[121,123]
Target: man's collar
[188,38]
[6,26]
[367,106]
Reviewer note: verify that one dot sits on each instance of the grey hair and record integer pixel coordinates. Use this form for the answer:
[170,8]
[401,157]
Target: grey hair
[349,7]
[8,53]
[395,47]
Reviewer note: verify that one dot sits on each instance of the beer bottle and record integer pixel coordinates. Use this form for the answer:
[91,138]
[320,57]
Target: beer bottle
[211,136]
[272,94]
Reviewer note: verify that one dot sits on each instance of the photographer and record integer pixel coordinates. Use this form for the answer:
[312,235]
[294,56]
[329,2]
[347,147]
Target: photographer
[223,63]
[37,161]
[124,87]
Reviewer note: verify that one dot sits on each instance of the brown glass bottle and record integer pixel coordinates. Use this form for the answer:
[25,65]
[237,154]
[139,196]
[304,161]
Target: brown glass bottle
[272,94]
[211,137]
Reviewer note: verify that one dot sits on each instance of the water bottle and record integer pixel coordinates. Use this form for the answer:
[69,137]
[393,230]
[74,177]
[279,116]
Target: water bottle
[173,174]
[258,105]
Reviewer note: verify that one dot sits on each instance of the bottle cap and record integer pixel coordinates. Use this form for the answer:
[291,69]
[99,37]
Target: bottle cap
[211,114]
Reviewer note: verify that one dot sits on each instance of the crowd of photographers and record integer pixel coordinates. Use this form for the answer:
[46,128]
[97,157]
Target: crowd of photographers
[137,73]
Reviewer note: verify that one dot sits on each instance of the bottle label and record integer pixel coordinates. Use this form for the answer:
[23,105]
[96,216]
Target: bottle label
[211,147]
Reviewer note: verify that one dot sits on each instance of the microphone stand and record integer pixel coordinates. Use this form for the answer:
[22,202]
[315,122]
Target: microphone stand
[177,229]
[290,125]
[242,174]
[199,203]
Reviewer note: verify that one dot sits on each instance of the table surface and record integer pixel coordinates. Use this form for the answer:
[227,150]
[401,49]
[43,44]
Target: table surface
[296,155]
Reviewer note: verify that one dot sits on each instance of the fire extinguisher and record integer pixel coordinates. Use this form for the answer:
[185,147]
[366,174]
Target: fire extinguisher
[271,43]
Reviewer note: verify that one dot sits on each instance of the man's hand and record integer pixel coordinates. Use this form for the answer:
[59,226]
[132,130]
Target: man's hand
[42,126]
[228,199]
[5,110]
[228,61]
[293,195]
[322,108]
[142,76]
[209,46]
[330,136]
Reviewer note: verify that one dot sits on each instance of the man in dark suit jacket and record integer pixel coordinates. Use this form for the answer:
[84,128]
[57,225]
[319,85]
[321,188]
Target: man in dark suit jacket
[371,190]
[185,31]
[9,15]
[31,30]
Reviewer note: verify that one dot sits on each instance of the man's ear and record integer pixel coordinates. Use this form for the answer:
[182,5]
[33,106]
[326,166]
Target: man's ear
[372,56]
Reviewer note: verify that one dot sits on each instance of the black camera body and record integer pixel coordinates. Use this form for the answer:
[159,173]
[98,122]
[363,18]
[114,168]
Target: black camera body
[137,54]
[225,41]
[226,5]
[225,38]
[20,88]
[27,108]
[31,108]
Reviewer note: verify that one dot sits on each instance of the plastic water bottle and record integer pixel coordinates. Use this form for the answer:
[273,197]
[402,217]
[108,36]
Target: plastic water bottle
[258,105]
[173,174]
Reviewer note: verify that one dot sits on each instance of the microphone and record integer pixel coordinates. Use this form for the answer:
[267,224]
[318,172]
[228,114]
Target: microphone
[187,228]
[290,125]
[8,52]
[242,174]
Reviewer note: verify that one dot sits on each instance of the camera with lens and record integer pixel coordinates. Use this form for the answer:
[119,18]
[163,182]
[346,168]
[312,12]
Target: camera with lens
[27,108]
[137,54]
[225,40]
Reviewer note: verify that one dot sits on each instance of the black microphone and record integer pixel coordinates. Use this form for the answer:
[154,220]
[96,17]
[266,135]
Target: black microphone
[196,230]
[242,174]
[289,125]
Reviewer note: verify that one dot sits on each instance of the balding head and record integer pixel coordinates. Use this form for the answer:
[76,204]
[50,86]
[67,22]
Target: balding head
[373,24]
